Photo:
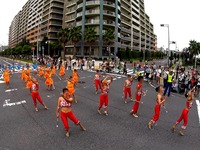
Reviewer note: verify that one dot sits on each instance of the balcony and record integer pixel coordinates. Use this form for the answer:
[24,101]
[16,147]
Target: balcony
[97,2]
[136,41]
[125,46]
[126,38]
[79,5]
[136,48]
[79,14]
[92,21]
[57,5]
[108,22]
[71,3]
[126,30]
[109,3]
[79,23]
[92,12]
[126,22]
[110,13]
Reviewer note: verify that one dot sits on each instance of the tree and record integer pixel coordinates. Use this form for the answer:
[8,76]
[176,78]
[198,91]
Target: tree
[90,36]
[108,38]
[26,50]
[75,35]
[194,49]
[63,38]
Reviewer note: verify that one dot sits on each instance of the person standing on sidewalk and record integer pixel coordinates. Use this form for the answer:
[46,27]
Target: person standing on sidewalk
[169,83]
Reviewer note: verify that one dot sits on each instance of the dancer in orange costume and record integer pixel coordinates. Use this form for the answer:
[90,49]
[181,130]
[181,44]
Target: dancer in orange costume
[49,80]
[29,82]
[46,75]
[53,70]
[75,76]
[41,72]
[23,73]
[6,76]
[70,86]
[62,71]
[26,76]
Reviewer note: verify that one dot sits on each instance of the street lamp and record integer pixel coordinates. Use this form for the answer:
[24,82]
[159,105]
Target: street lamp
[37,31]
[167,25]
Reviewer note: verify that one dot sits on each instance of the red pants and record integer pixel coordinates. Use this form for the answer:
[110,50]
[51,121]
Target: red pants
[127,91]
[71,116]
[136,105]
[184,117]
[36,95]
[97,84]
[156,114]
[103,100]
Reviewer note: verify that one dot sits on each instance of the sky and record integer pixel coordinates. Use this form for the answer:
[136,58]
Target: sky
[181,15]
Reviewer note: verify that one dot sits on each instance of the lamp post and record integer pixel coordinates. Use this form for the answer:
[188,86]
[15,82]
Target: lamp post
[37,31]
[168,54]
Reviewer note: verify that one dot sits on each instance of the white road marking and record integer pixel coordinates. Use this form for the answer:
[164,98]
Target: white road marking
[50,96]
[7,62]
[114,79]
[198,109]
[10,90]
[6,103]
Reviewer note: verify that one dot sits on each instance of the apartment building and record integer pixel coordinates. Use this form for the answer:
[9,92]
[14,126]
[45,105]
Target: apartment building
[36,20]
[127,18]
[14,31]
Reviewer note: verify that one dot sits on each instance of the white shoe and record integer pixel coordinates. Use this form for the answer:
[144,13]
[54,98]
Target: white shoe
[99,111]
[134,115]
[125,102]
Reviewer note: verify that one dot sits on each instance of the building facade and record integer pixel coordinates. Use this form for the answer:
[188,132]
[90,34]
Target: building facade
[127,18]
[36,20]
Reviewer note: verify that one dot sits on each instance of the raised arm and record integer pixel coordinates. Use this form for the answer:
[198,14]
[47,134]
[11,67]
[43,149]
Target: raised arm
[58,108]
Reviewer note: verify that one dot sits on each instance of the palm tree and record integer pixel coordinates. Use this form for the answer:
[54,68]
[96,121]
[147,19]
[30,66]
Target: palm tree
[75,35]
[90,36]
[108,38]
[63,38]
[194,48]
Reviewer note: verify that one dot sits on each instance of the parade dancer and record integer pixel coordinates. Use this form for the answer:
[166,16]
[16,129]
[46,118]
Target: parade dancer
[159,102]
[41,72]
[184,115]
[29,82]
[127,88]
[70,87]
[75,76]
[104,95]
[64,106]
[138,95]
[62,71]
[23,73]
[6,76]
[97,81]
[35,94]
[53,70]
[49,80]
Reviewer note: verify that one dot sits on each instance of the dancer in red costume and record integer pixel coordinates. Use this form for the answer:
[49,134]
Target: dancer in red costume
[64,106]
[138,94]
[35,94]
[127,88]
[184,115]
[159,102]
[97,81]
[104,95]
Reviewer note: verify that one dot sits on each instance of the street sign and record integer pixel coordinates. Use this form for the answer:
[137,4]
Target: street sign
[33,48]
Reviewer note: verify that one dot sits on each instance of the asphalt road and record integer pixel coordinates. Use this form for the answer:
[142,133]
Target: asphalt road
[21,128]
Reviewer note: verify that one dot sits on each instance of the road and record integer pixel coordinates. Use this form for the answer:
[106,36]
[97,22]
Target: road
[22,128]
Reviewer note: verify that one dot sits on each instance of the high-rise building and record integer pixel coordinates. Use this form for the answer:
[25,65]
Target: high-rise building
[36,20]
[127,18]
